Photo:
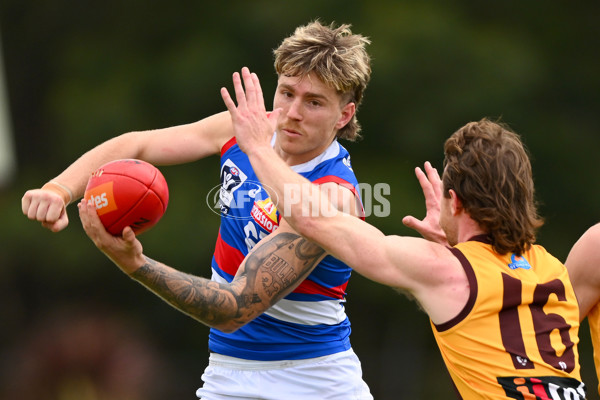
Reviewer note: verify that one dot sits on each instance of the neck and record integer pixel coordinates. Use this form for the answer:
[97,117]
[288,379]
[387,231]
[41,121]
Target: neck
[467,228]
[291,158]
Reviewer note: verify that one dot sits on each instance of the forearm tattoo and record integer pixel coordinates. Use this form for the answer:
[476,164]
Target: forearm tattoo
[280,265]
[272,270]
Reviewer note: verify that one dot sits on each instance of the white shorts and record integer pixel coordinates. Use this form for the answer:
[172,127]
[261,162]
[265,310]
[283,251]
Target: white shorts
[334,377]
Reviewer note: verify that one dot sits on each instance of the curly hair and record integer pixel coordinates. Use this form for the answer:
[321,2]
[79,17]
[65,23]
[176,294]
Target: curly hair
[336,56]
[488,167]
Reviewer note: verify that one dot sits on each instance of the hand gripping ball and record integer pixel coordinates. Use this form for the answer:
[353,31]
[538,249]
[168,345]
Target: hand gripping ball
[128,193]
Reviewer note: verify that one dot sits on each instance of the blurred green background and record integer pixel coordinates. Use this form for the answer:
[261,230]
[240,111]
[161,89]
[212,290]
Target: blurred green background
[78,73]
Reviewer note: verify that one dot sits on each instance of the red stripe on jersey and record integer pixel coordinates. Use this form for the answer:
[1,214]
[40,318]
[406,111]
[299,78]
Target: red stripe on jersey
[310,287]
[343,183]
[228,145]
[228,258]
[336,179]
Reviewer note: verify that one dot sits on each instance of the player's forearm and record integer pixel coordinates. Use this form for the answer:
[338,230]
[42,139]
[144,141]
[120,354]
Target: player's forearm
[271,271]
[276,266]
[76,175]
[214,304]
[167,146]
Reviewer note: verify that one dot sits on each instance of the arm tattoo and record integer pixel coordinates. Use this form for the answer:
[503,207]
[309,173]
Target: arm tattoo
[280,264]
[209,302]
[271,271]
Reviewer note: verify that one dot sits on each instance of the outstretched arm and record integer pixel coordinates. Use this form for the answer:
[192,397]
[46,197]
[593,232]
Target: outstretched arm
[174,145]
[425,269]
[276,266]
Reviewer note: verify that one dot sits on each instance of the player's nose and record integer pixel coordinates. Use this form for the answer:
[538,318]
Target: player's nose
[294,110]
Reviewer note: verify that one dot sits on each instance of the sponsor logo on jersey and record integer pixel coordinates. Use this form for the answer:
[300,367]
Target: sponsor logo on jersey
[518,262]
[264,214]
[542,387]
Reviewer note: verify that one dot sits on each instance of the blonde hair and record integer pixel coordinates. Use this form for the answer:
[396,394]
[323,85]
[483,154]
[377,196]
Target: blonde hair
[336,56]
[488,167]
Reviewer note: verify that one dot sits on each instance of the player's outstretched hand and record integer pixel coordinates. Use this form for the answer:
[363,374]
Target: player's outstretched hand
[46,206]
[252,126]
[429,227]
[125,251]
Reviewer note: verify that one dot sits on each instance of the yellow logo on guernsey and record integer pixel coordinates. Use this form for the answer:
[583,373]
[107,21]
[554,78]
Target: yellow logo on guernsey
[102,197]
[264,213]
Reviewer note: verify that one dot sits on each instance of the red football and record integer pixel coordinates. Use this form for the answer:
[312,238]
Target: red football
[128,193]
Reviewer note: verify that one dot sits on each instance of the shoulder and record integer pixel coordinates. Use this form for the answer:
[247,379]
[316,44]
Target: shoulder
[583,265]
[333,165]
[343,196]
[593,234]
[334,160]
[586,251]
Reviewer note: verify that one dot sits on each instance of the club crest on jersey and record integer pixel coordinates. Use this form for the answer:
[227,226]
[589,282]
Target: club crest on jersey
[518,262]
[232,177]
[264,214]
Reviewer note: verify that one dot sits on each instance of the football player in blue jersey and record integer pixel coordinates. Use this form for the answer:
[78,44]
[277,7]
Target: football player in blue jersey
[275,301]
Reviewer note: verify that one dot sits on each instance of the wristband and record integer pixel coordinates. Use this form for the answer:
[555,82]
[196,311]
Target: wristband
[64,191]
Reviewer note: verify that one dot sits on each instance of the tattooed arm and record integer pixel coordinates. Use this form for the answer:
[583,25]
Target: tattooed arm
[273,269]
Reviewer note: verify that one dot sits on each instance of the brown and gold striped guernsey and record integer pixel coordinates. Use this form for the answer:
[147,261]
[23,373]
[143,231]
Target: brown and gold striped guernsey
[518,333]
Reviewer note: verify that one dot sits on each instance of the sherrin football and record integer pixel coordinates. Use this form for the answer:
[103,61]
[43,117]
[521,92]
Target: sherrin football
[128,193]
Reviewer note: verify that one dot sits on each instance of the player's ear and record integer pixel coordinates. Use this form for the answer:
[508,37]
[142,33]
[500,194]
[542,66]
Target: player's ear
[456,205]
[347,113]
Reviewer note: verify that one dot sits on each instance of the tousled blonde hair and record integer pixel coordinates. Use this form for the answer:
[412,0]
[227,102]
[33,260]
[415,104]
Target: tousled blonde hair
[336,56]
